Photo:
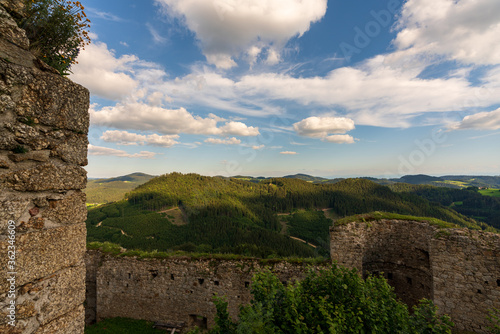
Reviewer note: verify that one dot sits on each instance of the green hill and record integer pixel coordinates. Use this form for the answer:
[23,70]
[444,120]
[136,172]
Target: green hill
[482,205]
[113,189]
[213,214]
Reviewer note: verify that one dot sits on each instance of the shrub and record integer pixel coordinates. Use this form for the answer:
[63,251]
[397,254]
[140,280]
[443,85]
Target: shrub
[57,30]
[336,300]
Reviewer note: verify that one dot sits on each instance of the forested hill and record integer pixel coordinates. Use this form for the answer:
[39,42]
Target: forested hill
[467,201]
[214,214]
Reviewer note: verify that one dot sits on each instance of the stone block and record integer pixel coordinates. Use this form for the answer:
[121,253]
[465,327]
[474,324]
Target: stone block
[72,150]
[71,322]
[55,101]
[43,252]
[68,210]
[11,208]
[45,177]
[41,156]
[10,32]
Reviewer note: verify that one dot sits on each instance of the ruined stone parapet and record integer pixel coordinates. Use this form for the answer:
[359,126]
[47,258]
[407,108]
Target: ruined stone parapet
[458,268]
[175,290]
[43,146]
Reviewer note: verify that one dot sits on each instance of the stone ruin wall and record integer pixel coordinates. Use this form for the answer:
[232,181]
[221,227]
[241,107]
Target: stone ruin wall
[43,144]
[458,269]
[172,290]
[466,276]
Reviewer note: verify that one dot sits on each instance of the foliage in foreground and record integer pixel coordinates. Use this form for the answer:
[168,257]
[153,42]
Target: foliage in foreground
[57,30]
[122,326]
[335,300]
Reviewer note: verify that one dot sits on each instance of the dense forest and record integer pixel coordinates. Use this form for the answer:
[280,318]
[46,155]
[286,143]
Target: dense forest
[229,215]
[466,201]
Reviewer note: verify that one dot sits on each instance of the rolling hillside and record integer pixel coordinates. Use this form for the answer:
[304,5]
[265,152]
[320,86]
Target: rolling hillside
[212,214]
[101,191]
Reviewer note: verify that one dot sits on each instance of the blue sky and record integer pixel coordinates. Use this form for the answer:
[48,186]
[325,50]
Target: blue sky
[276,87]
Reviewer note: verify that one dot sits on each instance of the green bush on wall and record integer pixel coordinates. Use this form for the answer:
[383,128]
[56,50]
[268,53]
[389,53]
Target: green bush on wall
[334,300]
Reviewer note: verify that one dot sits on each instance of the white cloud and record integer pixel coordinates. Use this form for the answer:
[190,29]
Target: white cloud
[239,129]
[466,30]
[103,15]
[339,139]
[288,153]
[258,147]
[102,73]
[480,121]
[128,138]
[143,117]
[106,151]
[227,141]
[382,91]
[228,28]
[320,127]
[157,38]
[372,93]
[204,87]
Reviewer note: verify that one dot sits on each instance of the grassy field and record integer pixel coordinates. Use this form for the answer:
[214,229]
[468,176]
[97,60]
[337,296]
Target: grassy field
[460,184]
[100,191]
[490,192]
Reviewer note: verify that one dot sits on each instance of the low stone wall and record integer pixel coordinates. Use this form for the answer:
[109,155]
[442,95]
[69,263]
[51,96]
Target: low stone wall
[172,290]
[457,268]
[43,144]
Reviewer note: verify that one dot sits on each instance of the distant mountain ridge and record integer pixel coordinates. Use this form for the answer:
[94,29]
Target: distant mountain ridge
[449,181]
[105,190]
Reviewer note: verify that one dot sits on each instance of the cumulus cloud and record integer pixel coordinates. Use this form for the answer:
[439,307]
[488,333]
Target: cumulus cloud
[480,121]
[288,152]
[106,151]
[128,138]
[144,117]
[258,147]
[227,141]
[227,29]
[320,127]
[339,139]
[104,74]
[467,30]
[239,129]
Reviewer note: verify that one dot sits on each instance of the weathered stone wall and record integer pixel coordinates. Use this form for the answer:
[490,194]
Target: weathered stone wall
[172,290]
[466,276]
[43,144]
[458,268]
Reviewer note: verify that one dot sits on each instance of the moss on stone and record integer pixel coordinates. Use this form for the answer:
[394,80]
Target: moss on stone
[377,215]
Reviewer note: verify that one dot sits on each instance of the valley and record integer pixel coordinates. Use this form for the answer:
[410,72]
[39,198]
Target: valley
[268,217]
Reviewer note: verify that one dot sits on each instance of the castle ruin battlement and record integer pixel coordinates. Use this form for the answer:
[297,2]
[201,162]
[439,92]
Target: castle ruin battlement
[457,268]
